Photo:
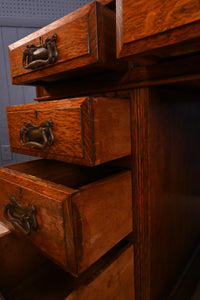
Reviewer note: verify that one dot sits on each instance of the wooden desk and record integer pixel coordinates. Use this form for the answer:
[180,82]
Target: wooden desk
[158,71]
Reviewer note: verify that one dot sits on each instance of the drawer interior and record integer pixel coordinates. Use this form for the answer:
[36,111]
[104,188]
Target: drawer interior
[81,212]
[62,173]
[18,259]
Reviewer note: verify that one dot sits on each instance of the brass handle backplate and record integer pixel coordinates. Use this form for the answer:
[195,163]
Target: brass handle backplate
[22,218]
[42,55]
[37,137]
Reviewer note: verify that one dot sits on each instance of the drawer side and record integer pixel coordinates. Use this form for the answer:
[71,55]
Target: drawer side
[102,213]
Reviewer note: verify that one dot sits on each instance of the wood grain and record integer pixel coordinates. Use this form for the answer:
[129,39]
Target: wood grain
[50,235]
[80,216]
[112,134]
[164,161]
[166,210]
[67,127]
[183,70]
[83,41]
[97,227]
[143,26]
[154,17]
[177,214]
[116,282]
[84,131]
[141,196]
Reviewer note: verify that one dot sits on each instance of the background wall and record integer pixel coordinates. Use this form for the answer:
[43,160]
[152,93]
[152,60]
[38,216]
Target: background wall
[19,18]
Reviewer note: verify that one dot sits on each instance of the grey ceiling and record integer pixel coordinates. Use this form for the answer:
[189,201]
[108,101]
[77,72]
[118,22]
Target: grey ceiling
[46,10]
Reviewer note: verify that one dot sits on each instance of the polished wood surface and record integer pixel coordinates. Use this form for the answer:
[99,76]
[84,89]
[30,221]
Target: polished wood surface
[80,216]
[144,26]
[15,270]
[116,282]
[161,44]
[184,71]
[83,41]
[166,191]
[48,282]
[153,17]
[84,131]
[104,220]
[175,131]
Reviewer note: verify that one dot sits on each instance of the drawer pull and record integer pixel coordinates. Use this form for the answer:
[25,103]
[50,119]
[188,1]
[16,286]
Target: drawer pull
[37,137]
[42,55]
[22,218]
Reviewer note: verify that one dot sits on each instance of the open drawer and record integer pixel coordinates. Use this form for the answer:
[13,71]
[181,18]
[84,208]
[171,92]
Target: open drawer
[79,43]
[112,277]
[73,214]
[156,31]
[87,130]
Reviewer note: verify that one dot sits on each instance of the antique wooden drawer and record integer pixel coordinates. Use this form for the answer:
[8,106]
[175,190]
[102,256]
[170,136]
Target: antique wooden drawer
[86,130]
[110,278]
[74,214]
[79,43]
[157,29]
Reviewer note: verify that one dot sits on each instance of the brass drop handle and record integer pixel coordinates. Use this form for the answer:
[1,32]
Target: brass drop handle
[22,218]
[37,137]
[38,56]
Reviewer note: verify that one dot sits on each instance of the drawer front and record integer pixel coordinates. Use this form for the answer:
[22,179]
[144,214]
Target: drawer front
[72,219]
[78,40]
[146,27]
[85,131]
[49,233]
[111,278]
